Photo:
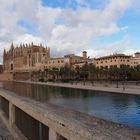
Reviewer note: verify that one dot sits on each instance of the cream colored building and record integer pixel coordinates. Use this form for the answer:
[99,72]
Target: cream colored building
[70,60]
[135,60]
[115,60]
[78,65]
[57,63]
[75,59]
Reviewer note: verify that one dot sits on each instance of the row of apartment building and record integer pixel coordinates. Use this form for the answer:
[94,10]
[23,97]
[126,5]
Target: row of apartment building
[117,60]
[29,57]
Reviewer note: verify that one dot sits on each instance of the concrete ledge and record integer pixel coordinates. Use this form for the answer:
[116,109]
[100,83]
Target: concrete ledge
[71,124]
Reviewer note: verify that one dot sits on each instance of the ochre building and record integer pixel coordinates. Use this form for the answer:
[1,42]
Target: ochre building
[70,60]
[116,60]
[57,63]
[135,60]
[75,59]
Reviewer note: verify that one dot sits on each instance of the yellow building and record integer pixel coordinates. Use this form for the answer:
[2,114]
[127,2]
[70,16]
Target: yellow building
[57,63]
[78,65]
[75,59]
[70,60]
[135,60]
[115,60]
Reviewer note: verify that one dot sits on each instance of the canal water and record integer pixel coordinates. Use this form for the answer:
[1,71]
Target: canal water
[124,109]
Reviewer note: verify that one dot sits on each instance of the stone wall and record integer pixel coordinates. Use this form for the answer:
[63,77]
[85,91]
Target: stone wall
[6,77]
[21,76]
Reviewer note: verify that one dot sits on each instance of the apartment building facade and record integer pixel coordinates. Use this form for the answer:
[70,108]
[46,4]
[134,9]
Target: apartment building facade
[135,60]
[116,60]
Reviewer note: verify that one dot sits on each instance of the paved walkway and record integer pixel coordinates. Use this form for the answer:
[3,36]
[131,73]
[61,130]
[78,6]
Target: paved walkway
[106,87]
[4,132]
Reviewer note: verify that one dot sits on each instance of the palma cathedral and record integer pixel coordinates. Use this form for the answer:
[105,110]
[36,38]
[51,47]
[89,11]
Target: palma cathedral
[25,57]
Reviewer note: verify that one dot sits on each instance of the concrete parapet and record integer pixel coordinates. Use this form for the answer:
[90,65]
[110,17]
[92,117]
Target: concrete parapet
[11,114]
[70,124]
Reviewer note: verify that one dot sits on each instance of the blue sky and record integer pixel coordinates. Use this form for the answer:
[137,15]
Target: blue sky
[74,4]
[71,26]
[132,19]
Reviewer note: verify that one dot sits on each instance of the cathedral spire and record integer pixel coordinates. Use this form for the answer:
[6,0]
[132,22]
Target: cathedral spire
[4,55]
[12,46]
[4,52]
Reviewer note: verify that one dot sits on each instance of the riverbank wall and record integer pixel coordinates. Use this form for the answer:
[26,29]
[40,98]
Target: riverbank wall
[6,77]
[130,89]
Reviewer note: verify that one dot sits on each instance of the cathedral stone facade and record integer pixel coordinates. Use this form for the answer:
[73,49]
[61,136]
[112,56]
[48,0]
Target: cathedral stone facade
[25,57]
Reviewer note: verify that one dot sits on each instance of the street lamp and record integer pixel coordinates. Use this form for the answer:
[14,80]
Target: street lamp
[125,79]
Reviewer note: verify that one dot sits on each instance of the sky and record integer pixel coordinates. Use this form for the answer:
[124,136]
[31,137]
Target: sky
[100,27]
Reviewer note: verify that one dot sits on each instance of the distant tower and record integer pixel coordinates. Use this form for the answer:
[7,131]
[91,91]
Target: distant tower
[11,51]
[84,54]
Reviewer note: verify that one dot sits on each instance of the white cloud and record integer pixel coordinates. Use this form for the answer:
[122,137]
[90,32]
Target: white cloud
[120,46]
[27,9]
[46,18]
[64,30]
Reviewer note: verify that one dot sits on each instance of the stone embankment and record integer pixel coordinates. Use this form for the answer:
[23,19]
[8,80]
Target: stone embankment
[112,88]
[6,77]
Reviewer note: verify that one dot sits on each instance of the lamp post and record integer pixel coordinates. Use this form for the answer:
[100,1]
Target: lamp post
[124,80]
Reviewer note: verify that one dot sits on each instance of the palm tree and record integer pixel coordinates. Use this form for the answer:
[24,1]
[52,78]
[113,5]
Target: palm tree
[64,73]
[137,73]
[92,73]
[84,72]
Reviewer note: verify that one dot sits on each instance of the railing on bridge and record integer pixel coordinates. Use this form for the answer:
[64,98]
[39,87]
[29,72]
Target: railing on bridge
[31,120]
[5,106]
[31,128]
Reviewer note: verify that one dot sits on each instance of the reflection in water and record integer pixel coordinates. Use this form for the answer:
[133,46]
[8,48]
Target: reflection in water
[120,108]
